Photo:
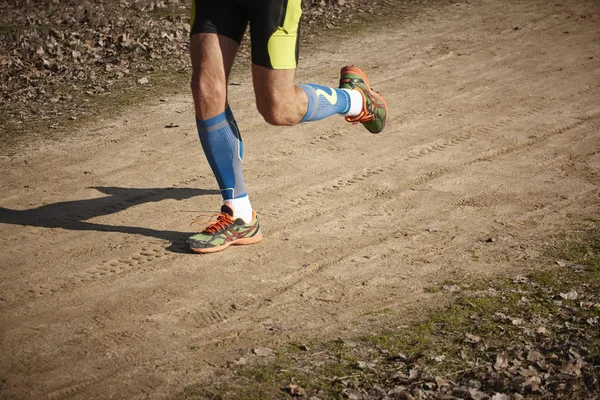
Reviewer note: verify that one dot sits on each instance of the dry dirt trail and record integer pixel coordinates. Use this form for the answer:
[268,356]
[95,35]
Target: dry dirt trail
[494,134]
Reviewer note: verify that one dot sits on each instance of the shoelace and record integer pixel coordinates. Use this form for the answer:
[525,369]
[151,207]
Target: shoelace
[214,225]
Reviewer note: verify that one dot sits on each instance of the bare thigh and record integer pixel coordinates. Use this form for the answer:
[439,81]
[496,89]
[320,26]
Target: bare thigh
[212,58]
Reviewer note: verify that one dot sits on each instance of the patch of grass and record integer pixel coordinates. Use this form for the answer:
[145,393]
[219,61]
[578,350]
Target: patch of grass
[549,279]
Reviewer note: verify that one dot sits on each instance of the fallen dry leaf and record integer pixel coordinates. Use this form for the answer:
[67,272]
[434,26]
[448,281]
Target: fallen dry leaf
[295,390]
[470,338]
[501,361]
[534,356]
[263,352]
[452,288]
[571,295]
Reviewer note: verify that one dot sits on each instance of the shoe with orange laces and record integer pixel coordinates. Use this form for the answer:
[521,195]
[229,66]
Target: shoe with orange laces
[374,114]
[223,232]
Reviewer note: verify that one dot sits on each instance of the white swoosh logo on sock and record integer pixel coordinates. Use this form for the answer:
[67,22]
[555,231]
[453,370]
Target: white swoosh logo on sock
[332,98]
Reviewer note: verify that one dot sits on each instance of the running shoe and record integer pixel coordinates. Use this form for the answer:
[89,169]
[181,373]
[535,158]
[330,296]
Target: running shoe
[374,114]
[224,231]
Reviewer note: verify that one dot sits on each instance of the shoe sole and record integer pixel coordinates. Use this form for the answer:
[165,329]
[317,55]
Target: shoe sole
[238,242]
[355,70]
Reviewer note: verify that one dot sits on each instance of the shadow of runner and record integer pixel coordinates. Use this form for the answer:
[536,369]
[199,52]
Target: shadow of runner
[71,215]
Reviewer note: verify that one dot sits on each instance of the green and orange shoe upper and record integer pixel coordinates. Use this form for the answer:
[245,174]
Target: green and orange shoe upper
[224,231]
[374,114]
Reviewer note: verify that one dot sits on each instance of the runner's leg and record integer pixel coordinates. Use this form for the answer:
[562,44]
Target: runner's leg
[212,57]
[275,38]
[281,102]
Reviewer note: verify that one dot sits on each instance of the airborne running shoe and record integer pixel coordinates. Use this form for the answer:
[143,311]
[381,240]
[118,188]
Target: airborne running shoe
[225,231]
[374,114]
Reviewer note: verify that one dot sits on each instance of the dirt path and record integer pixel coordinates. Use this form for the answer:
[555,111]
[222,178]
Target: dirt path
[492,144]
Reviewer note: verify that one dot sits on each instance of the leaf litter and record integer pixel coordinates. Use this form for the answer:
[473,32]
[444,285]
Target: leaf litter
[59,60]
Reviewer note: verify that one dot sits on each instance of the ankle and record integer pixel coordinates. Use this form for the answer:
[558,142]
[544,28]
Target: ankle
[241,208]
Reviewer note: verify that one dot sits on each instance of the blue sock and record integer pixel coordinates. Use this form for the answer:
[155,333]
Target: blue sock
[223,147]
[324,101]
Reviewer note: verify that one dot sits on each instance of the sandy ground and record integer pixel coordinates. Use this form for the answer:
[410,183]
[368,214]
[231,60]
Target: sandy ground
[492,144]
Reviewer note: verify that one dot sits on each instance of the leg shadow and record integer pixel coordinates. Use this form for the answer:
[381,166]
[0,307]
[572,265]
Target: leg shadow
[72,215]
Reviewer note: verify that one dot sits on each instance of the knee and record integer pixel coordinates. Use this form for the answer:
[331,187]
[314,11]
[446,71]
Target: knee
[274,117]
[210,96]
[277,113]
[204,87]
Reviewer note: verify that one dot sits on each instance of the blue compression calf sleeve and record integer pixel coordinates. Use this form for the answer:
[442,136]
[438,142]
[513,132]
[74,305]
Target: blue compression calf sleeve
[324,101]
[223,147]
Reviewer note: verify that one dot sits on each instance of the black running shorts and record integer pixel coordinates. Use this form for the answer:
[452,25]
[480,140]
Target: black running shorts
[274,27]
